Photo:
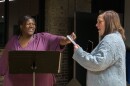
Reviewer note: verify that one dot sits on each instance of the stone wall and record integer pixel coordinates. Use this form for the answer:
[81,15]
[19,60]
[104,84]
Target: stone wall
[56,22]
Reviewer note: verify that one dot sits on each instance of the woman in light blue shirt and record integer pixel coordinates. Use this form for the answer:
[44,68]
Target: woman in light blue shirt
[106,63]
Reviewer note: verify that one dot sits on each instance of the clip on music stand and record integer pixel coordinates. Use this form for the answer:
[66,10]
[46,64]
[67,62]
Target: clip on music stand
[27,62]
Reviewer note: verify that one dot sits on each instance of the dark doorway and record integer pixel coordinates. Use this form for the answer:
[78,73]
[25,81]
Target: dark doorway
[87,38]
[116,5]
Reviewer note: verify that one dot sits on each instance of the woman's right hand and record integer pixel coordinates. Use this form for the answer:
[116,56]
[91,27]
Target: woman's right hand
[76,47]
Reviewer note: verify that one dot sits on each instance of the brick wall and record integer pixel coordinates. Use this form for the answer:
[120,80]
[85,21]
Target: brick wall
[1,78]
[59,20]
[56,22]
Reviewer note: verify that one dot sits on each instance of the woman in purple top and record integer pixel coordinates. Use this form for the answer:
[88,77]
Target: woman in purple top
[27,40]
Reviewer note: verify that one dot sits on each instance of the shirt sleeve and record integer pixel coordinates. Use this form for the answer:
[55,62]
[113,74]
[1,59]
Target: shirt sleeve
[53,42]
[102,58]
[4,58]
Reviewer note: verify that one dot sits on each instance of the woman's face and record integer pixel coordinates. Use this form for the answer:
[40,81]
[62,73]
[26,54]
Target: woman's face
[28,27]
[100,25]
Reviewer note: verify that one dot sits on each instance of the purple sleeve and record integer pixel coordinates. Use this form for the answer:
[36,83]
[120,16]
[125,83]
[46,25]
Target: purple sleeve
[4,58]
[53,42]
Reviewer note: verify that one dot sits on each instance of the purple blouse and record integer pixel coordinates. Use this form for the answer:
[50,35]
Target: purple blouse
[39,42]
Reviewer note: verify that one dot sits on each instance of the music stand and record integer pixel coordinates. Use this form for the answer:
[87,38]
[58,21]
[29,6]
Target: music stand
[27,62]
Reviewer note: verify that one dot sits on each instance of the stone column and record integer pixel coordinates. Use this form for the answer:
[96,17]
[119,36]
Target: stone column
[56,13]
[56,22]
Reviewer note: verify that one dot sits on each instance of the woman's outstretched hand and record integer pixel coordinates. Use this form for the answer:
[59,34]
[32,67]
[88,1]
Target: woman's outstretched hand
[71,37]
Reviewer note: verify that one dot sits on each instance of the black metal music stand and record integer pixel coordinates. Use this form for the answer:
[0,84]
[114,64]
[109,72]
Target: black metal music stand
[27,62]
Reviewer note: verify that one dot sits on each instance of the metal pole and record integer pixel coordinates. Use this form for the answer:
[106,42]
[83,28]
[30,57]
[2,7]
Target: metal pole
[34,79]
[74,81]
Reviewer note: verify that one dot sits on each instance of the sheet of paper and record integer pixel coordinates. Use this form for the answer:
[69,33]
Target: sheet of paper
[71,40]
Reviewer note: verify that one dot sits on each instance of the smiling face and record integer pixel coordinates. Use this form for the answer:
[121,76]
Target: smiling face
[100,25]
[28,27]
